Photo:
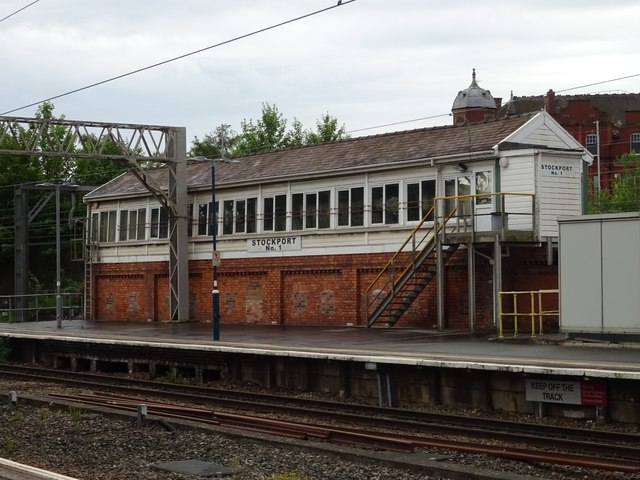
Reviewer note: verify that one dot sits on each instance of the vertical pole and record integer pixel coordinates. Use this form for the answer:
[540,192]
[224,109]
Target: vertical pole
[214,232]
[497,277]
[599,186]
[540,313]
[500,334]
[515,314]
[58,296]
[440,283]
[533,318]
[178,240]
[471,281]
[21,252]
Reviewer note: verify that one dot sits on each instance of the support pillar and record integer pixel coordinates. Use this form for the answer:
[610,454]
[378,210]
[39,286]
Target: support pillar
[440,284]
[497,277]
[21,252]
[178,240]
[471,282]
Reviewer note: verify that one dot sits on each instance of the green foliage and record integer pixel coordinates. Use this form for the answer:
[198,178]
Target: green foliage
[9,445]
[266,134]
[214,145]
[327,130]
[624,195]
[18,169]
[76,410]
[43,413]
[16,416]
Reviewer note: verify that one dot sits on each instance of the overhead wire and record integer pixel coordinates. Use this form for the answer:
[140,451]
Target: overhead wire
[18,11]
[599,83]
[399,123]
[180,57]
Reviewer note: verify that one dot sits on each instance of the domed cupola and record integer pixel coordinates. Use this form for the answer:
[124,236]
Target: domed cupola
[474,104]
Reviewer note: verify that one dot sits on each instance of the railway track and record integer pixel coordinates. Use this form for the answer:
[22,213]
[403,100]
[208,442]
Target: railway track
[395,429]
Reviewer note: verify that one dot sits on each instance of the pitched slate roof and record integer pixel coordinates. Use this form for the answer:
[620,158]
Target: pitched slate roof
[305,162]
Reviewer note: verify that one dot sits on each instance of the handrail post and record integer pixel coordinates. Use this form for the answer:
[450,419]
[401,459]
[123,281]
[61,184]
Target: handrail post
[540,309]
[515,314]
[533,314]
[500,314]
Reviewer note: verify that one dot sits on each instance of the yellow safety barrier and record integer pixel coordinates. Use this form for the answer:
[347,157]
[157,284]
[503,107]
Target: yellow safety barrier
[535,310]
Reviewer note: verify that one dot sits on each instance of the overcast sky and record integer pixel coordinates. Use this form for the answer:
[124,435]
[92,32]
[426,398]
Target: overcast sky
[367,63]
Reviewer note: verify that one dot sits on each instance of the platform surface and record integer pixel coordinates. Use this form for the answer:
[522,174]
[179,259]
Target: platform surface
[384,345]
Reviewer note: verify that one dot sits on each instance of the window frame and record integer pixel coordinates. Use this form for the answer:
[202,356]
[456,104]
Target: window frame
[384,211]
[274,212]
[350,215]
[421,204]
[634,138]
[591,143]
[158,223]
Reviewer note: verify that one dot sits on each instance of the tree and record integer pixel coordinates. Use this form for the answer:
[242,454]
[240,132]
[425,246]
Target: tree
[20,168]
[327,130]
[16,169]
[266,134]
[214,145]
[624,195]
[89,171]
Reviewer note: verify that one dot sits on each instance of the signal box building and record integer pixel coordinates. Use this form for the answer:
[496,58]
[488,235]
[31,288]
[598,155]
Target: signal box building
[419,228]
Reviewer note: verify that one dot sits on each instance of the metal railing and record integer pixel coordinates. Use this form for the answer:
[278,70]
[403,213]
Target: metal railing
[502,208]
[39,307]
[534,312]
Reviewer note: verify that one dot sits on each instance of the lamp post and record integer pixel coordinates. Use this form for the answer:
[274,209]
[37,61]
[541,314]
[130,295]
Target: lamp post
[215,256]
[58,294]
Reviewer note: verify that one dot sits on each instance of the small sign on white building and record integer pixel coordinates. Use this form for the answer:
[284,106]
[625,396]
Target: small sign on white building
[274,244]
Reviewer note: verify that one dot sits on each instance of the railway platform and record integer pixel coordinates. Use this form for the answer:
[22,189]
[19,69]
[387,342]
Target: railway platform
[390,365]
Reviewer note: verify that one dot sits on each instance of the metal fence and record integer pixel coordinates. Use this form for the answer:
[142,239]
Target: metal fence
[532,309]
[40,307]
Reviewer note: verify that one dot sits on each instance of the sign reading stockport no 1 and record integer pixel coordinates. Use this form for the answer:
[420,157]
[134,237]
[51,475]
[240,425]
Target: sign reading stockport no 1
[569,392]
[274,244]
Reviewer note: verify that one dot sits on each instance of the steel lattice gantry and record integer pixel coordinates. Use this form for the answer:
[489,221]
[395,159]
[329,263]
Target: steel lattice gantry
[138,143]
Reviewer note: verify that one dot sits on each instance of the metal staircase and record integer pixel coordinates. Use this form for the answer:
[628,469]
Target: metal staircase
[408,272]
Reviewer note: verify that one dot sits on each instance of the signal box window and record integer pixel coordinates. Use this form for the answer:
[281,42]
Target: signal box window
[420,197]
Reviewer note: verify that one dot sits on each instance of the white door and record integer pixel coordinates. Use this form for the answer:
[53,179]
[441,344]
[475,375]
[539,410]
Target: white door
[483,202]
[457,190]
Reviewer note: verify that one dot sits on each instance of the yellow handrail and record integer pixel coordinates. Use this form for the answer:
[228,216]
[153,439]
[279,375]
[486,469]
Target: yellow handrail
[420,244]
[399,251]
[536,311]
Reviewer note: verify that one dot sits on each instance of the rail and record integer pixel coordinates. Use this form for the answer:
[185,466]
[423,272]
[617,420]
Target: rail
[14,470]
[38,307]
[536,313]
[487,212]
